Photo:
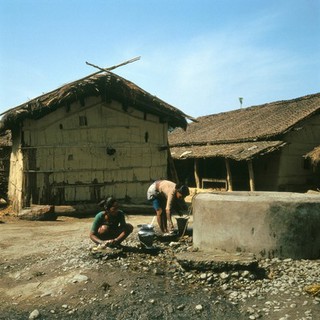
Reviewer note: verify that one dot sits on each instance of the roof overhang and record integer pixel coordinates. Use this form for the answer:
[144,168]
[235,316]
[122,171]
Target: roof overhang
[235,151]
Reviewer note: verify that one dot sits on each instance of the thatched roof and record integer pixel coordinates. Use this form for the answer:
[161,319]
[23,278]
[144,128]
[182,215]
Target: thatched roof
[107,85]
[314,155]
[226,133]
[5,139]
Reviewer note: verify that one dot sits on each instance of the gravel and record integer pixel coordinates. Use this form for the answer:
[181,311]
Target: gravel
[153,285]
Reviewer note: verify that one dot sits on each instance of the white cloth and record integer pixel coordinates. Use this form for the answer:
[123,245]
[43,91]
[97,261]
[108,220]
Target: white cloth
[152,191]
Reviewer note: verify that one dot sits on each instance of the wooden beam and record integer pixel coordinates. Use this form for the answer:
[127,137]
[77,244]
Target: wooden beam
[251,176]
[196,173]
[229,176]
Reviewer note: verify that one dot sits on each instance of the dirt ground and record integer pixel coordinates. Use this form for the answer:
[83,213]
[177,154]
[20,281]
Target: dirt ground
[46,268]
[47,271]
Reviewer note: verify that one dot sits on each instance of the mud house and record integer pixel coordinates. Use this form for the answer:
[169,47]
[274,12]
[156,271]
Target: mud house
[94,137]
[259,148]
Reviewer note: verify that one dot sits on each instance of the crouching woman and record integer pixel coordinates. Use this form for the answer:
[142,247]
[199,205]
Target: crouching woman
[109,227]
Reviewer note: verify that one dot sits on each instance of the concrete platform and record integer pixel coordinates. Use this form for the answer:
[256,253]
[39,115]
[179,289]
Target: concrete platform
[267,224]
[216,261]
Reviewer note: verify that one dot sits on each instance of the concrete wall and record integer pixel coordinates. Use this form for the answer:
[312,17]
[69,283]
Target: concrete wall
[268,224]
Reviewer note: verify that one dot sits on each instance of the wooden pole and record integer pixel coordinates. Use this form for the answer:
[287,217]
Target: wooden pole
[196,173]
[86,77]
[251,176]
[113,67]
[172,167]
[229,176]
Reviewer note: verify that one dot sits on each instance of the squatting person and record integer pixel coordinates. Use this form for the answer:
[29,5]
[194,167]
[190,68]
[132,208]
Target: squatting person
[109,227]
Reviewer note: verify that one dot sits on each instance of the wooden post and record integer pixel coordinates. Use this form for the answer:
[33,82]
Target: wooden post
[196,173]
[229,176]
[173,172]
[251,176]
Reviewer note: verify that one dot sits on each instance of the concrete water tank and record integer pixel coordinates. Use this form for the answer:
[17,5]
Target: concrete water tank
[267,224]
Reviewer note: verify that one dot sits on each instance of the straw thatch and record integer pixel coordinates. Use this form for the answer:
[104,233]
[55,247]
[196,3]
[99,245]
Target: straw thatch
[232,134]
[5,139]
[107,85]
[314,156]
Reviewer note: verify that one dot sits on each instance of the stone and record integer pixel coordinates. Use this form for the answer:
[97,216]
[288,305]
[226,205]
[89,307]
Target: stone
[79,278]
[34,314]
[199,307]
[180,307]
[37,212]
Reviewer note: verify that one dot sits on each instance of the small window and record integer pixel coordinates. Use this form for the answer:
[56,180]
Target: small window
[146,136]
[70,157]
[111,151]
[83,121]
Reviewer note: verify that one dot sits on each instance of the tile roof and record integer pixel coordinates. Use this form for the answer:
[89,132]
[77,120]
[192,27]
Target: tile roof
[235,151]
[263,122]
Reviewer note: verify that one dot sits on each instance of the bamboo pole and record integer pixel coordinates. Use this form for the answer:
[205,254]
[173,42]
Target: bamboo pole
[229,176]
[115,66]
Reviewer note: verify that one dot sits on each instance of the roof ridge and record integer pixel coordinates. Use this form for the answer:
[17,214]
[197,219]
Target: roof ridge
[277,102]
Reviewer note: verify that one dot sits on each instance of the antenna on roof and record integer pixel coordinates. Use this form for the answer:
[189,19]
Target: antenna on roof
[240,99]
[113,67]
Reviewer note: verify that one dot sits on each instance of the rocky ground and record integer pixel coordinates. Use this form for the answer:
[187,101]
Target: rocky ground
[48,271]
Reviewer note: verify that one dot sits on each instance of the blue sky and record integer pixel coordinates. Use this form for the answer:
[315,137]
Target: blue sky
[198,55]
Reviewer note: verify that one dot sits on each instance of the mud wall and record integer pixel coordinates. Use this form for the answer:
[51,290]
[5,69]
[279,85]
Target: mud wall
[83,153]
[4,170]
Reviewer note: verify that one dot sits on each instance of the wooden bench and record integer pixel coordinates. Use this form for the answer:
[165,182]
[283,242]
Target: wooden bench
[216,181]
